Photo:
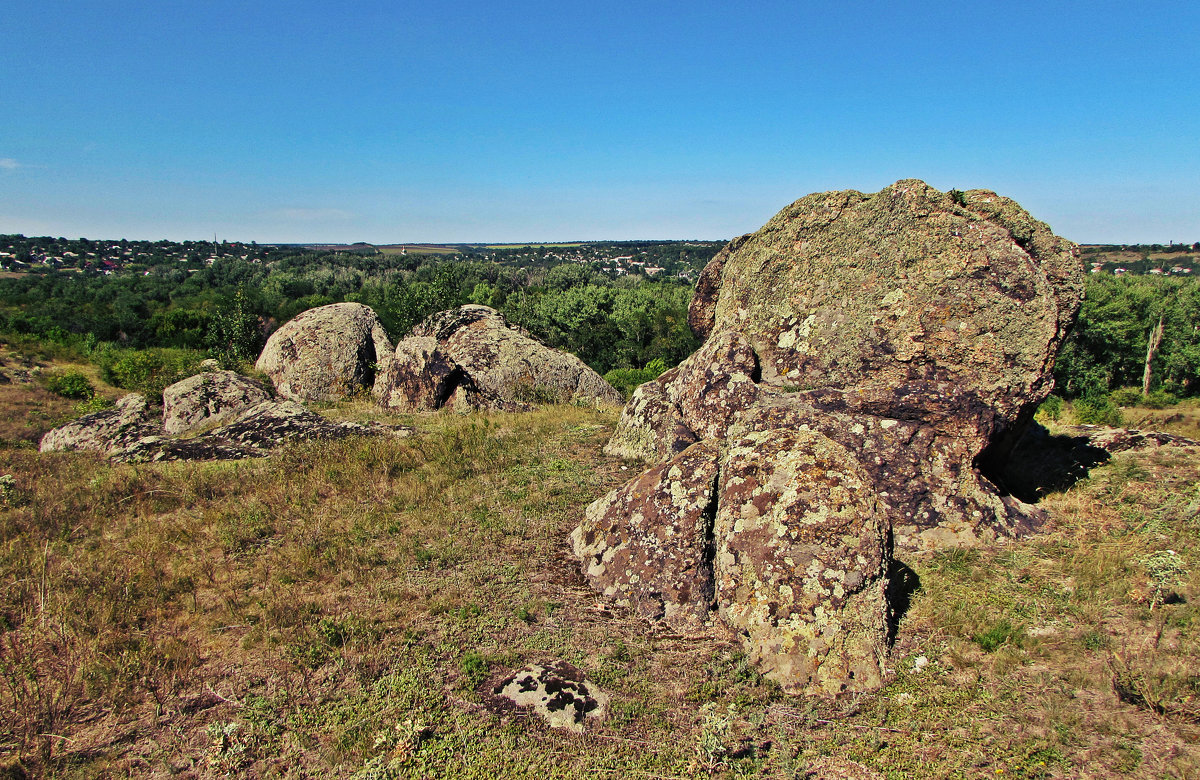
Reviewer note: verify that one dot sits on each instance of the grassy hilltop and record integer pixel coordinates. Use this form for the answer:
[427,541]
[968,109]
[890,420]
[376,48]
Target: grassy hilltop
[337,609]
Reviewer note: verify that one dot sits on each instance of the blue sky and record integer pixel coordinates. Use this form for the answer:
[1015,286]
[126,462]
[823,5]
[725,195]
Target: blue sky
[465,121]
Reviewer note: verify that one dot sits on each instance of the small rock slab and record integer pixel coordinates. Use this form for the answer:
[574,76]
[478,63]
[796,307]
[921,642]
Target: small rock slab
[256,433]
[649,546]
[558,692]
[107,430]
[1128,439]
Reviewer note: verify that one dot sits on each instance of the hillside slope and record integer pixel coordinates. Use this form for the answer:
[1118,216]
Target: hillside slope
[340,609]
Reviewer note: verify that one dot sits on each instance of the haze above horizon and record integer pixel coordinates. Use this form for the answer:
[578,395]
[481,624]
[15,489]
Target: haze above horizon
[461,122]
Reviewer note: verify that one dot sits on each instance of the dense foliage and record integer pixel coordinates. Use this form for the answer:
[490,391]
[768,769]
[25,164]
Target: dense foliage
[606,310]
[1107,350]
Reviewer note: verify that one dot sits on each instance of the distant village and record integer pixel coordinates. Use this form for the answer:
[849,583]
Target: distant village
[680,260]
[655,259]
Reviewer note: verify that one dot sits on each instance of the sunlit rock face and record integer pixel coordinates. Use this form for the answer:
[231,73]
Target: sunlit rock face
[471,358]
[869,359]
[327,353]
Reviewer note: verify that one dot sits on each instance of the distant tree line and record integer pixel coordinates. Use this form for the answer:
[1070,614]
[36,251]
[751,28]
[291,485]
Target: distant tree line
[231,305]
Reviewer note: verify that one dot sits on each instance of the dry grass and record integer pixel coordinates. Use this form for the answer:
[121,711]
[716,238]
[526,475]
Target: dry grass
[334,610]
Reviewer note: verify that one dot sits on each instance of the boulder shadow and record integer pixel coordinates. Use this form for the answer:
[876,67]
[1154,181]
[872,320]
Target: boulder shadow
[1042,463]
[903,582]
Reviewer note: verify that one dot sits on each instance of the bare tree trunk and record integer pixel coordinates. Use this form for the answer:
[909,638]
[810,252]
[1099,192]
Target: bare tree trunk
[1156,336]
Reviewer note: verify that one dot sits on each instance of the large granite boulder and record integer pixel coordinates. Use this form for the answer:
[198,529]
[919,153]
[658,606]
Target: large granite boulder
[470,357]
[869,359]
[327,353]
[209,398]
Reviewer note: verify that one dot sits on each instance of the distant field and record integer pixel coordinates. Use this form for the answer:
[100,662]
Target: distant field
[419,249]
[532,246]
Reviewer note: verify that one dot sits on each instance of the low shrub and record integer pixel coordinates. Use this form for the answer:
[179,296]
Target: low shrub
[1126,396]
[147,371]
[1097,410]
[626,380]
[1051,408]
[1132,396]
[71,384]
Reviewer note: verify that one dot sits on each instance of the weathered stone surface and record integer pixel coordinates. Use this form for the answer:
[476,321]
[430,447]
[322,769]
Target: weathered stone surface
[327,353]
[422,378]
[498,366]
[207,399]
[257,432]
[714,384]
[870,360]
[927,485]
[801,556]
[906,286]
[107,430]
[557,692]
[648,545]
[1115,440]
[937,313]
[651,428]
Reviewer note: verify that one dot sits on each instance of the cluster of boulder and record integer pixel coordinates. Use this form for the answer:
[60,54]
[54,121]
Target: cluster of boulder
[215,415]
[868,360]
[869,364]
[463,359]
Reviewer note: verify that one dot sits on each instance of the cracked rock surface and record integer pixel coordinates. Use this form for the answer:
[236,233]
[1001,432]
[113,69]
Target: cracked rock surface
[327,353]
[869,360]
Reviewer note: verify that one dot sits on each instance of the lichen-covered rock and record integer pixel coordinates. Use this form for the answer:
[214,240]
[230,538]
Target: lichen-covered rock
[648,545]
[906,287]
[870,360]
[498,367]
[107,430]
[423,378]
[207,399]
[909,308]
[800,564]
[928,487]
[327,353]
[557,692]
[1115,440]
[257,432]
[651,428]
[714,384]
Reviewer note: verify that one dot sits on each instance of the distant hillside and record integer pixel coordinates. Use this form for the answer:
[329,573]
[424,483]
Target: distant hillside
[1156,259]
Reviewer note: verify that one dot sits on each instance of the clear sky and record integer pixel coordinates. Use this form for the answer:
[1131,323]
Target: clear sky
[464,120]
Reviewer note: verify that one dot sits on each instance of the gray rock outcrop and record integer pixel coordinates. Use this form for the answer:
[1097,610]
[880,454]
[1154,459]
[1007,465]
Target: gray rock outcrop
[209,398]
[471,358]
[108,430]
[256,432]
[327,353]
[867,359]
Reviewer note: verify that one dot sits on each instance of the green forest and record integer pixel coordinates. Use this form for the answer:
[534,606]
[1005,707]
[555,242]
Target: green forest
[224,300]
